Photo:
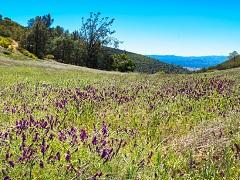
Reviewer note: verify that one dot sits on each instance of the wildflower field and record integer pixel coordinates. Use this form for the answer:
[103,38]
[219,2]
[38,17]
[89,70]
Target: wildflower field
[63,123]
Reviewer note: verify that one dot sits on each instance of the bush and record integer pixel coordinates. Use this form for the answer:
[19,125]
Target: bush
[49,56]
[27,53]
[121,62]
[5,42]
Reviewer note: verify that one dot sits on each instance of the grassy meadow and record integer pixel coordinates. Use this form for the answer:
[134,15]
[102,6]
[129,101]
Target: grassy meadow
[65,122]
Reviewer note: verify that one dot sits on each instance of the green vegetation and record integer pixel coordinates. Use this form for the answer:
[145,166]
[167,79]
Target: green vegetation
[121,62]
[89,47]
[96,34]
[148,65]
[9,28]
[27,53]
[37,38]
[5,42]
[60,121]
[233,62]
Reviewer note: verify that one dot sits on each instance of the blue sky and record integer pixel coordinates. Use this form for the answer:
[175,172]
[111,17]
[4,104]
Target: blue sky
[180,27]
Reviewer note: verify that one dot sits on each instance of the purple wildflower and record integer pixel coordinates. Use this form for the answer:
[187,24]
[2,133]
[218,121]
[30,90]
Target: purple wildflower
[62,136]
[73,131]
[6,178]
[41,164]
[36,137]
[104,142]
[94,141]
[44,147]
[7,155]
[14,109]
[105,153]
[104,129]
[51,136]
[68,156]
[98,174]
[57,156]
[23,137]
[44,124]
[11,163]
[83,135]
[74,139]
[43,150]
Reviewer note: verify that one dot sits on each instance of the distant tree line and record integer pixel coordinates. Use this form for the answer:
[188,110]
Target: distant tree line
[84,47]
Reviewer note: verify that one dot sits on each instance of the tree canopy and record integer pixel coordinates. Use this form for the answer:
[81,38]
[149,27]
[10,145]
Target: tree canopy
[96,33]
[233,55]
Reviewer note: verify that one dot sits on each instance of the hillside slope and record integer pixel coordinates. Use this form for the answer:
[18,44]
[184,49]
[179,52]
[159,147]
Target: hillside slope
[9,28]
[232,63]
[12,29]
[60,121]
[149,65]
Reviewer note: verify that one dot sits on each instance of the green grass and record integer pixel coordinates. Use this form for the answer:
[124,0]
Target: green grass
[158,126]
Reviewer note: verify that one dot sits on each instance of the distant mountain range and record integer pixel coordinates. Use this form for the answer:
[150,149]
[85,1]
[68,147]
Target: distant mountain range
[191,62]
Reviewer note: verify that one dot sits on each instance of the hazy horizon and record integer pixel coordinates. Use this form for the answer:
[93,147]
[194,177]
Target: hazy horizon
[148,27]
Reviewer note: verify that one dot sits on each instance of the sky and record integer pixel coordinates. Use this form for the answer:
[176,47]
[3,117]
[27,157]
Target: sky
[166,27]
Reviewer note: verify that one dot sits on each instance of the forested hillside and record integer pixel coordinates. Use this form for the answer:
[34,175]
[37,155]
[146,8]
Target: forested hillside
[93,45]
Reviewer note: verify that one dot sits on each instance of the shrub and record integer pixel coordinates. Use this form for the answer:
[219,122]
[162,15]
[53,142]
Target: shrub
[5,42]
[27,53]
[121,62]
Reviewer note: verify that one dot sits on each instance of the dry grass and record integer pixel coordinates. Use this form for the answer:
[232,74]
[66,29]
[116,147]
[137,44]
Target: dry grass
[215,136]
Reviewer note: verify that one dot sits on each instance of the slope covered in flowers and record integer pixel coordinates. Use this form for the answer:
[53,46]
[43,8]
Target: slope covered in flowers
[73,124]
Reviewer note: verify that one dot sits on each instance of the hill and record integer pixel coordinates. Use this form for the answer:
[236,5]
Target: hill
[61,121]
[150,65]
[232,63]
[191,62]
[11,29]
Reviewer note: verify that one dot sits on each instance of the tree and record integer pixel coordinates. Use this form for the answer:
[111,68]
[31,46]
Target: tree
[233,55]
[121,62]
[62,48]
[37,39]
[1,17]
[75,35]
[105,61]
[45,19]
[66,50]
[96,33]
[57,31]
